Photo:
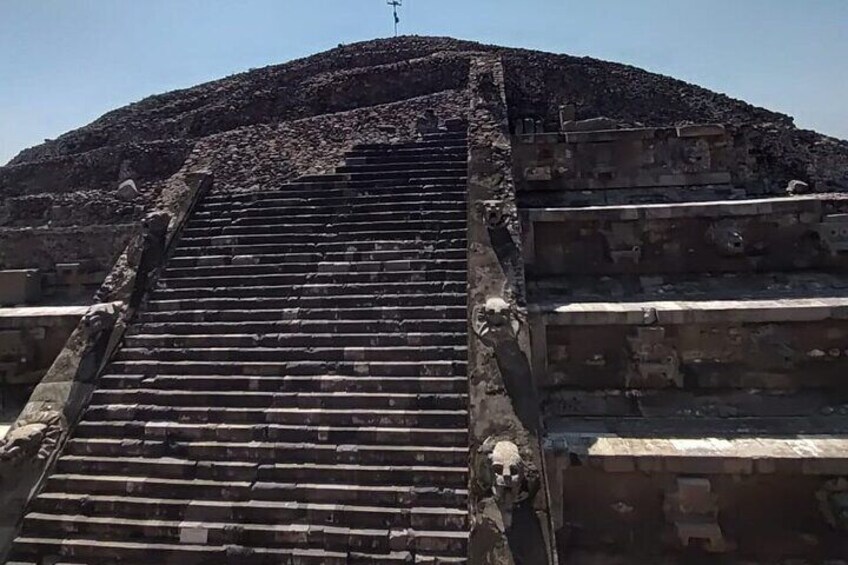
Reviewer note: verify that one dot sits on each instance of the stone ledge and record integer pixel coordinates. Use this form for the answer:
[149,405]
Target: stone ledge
[692,311]
[607,135]
[711,209]
[807,455]
[544,180]
[39,315]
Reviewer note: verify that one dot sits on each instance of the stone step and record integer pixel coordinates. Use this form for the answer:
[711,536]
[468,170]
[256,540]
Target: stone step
[377,158]
[332,538]
[395,475]
[438,221]
[297,231]
[338,296]
[304,298]
[293,225]
[320,354]
[197,488]
[250,432]
[456,131]
[315,278]
[324,246]
[369,515]
[316,267]
[326,314]
[417,368]
[270,452]
[334,194]
[296,340]
[239,481]
[282,259]
[267,399]
[320,383]
[398,199]
[390,257]
[455,166]
[304,326]
[434,150]
[454,419]
[440,142]
[341,185]
[327,216]
[327,206]
[350,237]
[350,189]
[94,550]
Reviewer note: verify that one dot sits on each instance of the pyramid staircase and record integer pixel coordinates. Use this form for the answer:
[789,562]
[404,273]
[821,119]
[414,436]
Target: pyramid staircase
[293,390]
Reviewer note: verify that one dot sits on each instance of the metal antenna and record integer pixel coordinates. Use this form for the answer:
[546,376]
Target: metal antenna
[395,4]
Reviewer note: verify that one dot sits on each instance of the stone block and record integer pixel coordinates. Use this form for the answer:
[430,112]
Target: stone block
[21,286]
[702,130]
[538,174]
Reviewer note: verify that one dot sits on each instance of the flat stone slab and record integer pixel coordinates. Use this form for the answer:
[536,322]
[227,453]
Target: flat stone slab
[808,455]
[692,311]
[39,315]
[711,209]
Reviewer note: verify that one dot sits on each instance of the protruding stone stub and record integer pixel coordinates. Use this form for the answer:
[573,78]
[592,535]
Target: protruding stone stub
[798,187]
[496,321]
[693,509]
[127,190]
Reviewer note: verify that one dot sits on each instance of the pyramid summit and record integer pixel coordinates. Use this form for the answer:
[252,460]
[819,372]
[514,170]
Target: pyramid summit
[426,300]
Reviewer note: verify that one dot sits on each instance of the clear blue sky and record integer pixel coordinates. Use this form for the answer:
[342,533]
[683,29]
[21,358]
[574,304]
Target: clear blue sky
[65,62]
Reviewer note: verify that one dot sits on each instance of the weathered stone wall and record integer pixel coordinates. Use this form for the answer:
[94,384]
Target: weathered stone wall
[96,247]
[538,84]
[616,166]
[699,356]
[632,510]
[666,241]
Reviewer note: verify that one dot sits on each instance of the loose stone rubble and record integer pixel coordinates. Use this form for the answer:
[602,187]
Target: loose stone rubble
[427,301]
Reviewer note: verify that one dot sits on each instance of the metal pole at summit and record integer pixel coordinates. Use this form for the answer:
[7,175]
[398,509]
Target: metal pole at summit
[395,4]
